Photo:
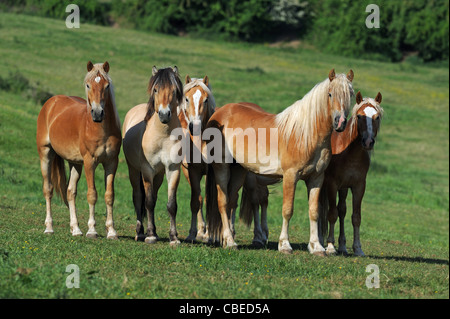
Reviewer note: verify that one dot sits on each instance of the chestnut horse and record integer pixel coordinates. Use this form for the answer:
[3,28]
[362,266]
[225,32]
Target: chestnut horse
[348,169]
[302,151]
[148,144]
[194,113]
[82,132]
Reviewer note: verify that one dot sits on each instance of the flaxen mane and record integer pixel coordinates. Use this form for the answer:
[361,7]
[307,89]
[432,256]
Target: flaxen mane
[299,121]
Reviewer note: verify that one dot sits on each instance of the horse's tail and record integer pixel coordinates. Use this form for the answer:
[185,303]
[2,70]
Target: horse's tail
[59,179]
[213,218]
[323,214]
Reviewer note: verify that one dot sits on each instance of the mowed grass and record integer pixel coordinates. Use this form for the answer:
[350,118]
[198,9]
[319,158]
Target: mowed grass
[405,227]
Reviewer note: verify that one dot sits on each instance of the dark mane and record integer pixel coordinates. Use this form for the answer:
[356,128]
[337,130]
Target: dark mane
[163,78]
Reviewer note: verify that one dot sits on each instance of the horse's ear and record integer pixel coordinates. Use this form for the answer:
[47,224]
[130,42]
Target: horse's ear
[106,66]
[90,66]
[175,70]
[378,98]
[350,75]
[331,75]
[206,80]
[187,79]
[359,97]
[154,70]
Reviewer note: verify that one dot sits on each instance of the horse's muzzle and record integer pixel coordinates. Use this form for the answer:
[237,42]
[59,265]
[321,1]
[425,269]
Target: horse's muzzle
[164,116]
[339,123]
[97,116]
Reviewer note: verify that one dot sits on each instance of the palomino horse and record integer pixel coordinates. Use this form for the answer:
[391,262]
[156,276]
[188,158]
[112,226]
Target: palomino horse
[302,151]
[194,113]
[83,133]
[348,169]
[147,145]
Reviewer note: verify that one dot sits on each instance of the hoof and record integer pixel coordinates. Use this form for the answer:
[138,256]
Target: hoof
[77,233]
[49,232]
[140,237]
[285,247]
[113,237]
[190,239]
[91,235]
[319,253]
[174,243]
[359,253]
[151,240]
[258,244]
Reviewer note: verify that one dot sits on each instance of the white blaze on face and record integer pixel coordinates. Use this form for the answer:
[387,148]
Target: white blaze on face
[369,112]
[97,79]
[197,95]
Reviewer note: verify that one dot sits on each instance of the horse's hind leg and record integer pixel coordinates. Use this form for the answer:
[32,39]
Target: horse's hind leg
[173,178]
[75,173]
[138,200]
[47,155]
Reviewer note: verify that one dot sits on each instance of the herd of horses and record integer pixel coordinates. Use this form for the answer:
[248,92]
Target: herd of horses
[311,139]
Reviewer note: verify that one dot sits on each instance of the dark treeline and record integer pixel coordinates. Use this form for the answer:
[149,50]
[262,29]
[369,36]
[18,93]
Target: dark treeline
[336,26]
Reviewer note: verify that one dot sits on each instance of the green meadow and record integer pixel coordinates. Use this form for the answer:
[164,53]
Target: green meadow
[405,212]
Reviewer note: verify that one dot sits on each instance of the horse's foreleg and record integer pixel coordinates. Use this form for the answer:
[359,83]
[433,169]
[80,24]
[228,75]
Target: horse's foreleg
[90,165]
[196,202]
[222,175]
[46,155]
[332,215]
[314,186]
[173,178]
[138,200]
[357,196]
[342,210]
[110,171]
[289,183]
[75,174]
[151,187]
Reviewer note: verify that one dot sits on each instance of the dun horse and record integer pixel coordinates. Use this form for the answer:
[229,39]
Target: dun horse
[348,169]
[82,132]
[303,151]
[194,113]
[147,146]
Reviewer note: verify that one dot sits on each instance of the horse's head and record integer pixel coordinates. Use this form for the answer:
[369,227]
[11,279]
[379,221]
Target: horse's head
[97,85]
[166,93]
[368,114]
[198,104]
[340,92]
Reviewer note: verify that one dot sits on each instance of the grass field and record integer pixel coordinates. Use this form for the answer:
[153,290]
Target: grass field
[405,226]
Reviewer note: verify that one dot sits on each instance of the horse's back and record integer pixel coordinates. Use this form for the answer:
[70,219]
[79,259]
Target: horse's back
[241,115]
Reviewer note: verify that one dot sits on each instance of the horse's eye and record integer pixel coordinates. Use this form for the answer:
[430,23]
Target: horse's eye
[329,94]
[187,100]
[87,85]
[205,101]
[107,86]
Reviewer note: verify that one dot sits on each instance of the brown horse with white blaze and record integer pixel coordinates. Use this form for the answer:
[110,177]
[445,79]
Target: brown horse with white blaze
[82,132]
[299,138]
[348,169]
[198,106]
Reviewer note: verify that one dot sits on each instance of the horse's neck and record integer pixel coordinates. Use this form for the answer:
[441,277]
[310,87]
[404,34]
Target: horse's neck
[342,141]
